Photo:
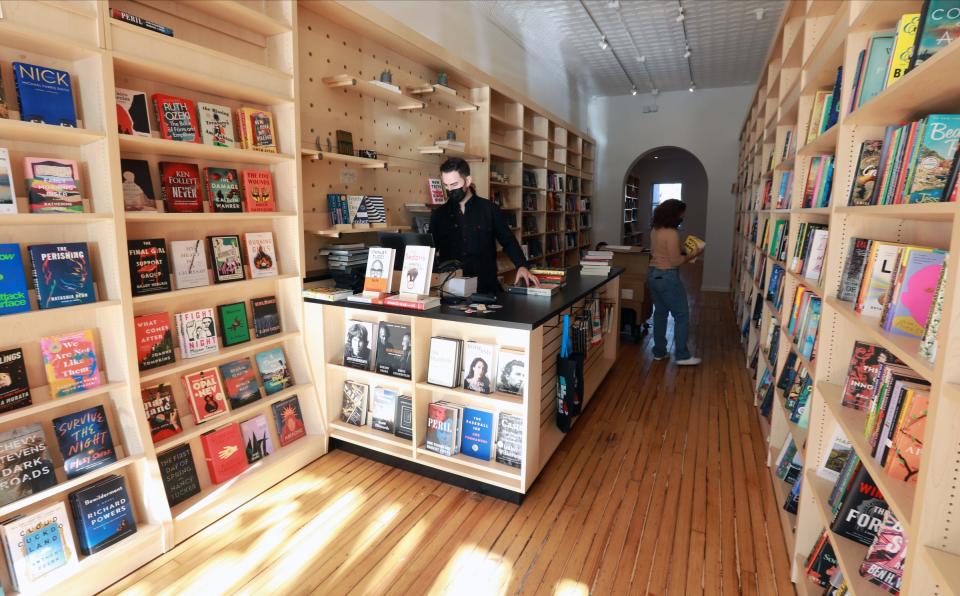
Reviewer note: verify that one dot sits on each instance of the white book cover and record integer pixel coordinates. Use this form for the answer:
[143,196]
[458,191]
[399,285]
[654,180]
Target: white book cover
[479,367]
[384,409]
[818,248]
[379,276]
[133,113]
[357,209]
[8,194]
[216,124]
[40,548]
[376,210]
[444,362]
[836,454]
[885,256]
[189,260]
[416,273]
[261,254]
[511,371]
[198,333]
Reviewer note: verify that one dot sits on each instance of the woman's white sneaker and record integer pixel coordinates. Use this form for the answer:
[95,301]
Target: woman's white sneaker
[691,361]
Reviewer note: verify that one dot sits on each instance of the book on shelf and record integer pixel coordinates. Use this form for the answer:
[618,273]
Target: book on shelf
[877,277]
[886,556]
[44,94]
[901,57]
[84,440]
[40,548]
[133,113]
[378,278]
[180,187]
[14,295]
[417,271]
[273,369]
[240,382]
[62,274]
[266,317]
[435,191]
[126,17]
[511,371]
[444,428]
[477,439]
[404,418]
[383,409]
[327,294]
[137,185]
[479,367]
[358,345]
[821,563]
[444,364]
[149,266]
[866,363]
[177,117]
[215,124]
[819,183]
[154,340]
[258,196]
[344,142]
[873,80]
[14,384]
[928,343]
[4,109]
[865,175]
[353,408]
[261,254]
[204,393]
[821,105]
[53,185]
[376,210]
[509,439]
[394,348]
[861,510]
[179,474]
[25,464]
[189,261]
[102,514]
[70,361]
[288,420]
[792,502]
[224,453]
[227,258]
[234,328]
[939,25]
[160,407]
[223,190]
[910,299]
[257,442]
[197,332]
[8,193]
[833,114]
[256,130]
[836,454]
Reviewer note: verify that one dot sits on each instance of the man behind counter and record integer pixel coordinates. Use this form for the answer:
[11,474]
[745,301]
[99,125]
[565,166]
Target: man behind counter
[467,226]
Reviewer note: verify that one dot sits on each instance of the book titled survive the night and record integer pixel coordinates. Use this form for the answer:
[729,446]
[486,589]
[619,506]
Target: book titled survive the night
[84,440]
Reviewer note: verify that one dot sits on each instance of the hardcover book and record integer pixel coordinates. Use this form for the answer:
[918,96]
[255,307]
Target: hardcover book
[177,118]
[53,185]
[822,563]
[875,71]
[39,547]
[907,442]
[939,25]
[417,270]
[4,110]
[886,556]
[862,510]
[404,418]
[198,335]
[376,211]
[216,124]
[509,439]
[161,410]
[394,347]
[70,361]
[443,429]
[511,371]
[189,261]
[8,194]
[154,340]
[258,191]
[62,275]
[223,190]
[257,443]
[103,514]
[877,278]
[179,474]
[234,328]
[227,260]
[14,296]
[443,368]
[14,386]
[126,17]
[378,279]
[266,317]
[353,408]
[261,254]
[149,266]
[133,113]
[205,394]
[865,176]
[25,465]
[44,94]
[384,409]
[84,440]
[435,190]
[289,420]
[240,382]
[274,373]
[477,434]
[479,367]
[256,128]
[902,53]
[180,187]
[224,452]
[137,185]
[358,344]
[853,269]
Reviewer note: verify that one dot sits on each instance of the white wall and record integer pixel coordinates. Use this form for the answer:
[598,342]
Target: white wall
[706,123]
[463,29]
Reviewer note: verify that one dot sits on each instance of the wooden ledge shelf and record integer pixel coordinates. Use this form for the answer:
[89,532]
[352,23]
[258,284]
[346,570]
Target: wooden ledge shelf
[444,95]
[501,124]
[497,399]
[205,217]
[26,39]
[920,211]
[809,210]
[527,133]
[154,145]
[450,152]
[42,219]
[788,521]
[35,132]
[374,376]
[382,441]
[222,355]
[945,565]
[826,143]
[236,288]
[54,403]
[504,184]
[337,233]
[364,163]
[797,432]
[65,312]
[241,15]
[487,468]
[374,90]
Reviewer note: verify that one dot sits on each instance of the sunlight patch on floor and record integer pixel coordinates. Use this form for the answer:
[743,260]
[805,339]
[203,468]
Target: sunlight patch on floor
[472,570]
[570,587]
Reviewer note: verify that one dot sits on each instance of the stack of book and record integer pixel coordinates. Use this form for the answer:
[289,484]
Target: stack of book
[816,191]
[825,110]
[356,209]
[804,322]
[551,280]
[345,256]
[596,262]
[327,294]
[809,251]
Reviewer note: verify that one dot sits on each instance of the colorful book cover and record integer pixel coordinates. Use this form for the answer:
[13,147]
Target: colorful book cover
[160,408]
[189,261]
[40,548]
[103,514]
[84,440]
[902,53]
[25,465]
[227,259]
[875,71]
[886,556]
[358,345]
[404,418]
[821,565]
[289,420]
[865,176]
[234,328]
[70,361]
[177,118]
[8,193]
[14,385]
[509,439]
[149,266]
[417,270]
[4,110]
[935,154]
[261,254]
[862,509]
[240,382]
[266,317]
[154,340]
[357,208]
[179,474]
[216,124]
[862,374]
[223,190]
[442,429]
[137,185]
[53,185]
[45,95]
[272,365]
[384,409]
[511,371]
[921,275]
[198,333]
[939,25]
[180,187]
[878,278]
[378,278]
[14,296]
[205,394]
[907,443]
[257,442]
[257,130]
[394,349]
[928,343]
[853,269]
[258,194]
[224,452]
[353,405]
[133,113]
[477,438]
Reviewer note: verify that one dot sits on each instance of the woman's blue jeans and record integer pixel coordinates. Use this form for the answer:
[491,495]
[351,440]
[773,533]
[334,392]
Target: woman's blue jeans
[669,295]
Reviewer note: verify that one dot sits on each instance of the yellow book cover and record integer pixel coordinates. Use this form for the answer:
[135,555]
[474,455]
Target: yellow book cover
[256,130]
[902,47]
[816,114]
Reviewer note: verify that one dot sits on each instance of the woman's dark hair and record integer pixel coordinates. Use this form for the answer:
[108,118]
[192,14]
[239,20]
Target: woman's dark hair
[473,364]
[668,214]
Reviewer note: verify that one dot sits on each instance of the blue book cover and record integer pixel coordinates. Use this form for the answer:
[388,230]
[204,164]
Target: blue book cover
[833,114]
[875,73]
[477,434]
[62,275]
[274,372]
[939,25]
[934,158]
[857,80]
[84,440]
[823,200]
[810,333]
[45,95]
[102,514]
[13,281]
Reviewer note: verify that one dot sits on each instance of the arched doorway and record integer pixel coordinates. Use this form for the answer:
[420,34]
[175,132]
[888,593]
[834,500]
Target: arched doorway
[658,174]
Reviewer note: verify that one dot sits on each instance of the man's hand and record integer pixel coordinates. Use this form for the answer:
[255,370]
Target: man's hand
[530,279]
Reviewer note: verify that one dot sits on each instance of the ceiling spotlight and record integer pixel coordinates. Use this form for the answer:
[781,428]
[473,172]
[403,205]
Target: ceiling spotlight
[614,4]
[603,42]
[692,87]
[633,90]
[759,13]
[680,16]
[656,157]
[686,53]
[641,59]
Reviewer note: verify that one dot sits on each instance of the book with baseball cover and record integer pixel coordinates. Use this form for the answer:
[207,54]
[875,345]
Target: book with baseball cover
[189,260]
[14,295]
[53,185]
[8,194]
[205,394]
[197,332]
[70,361]
[25,464]
[180,187]
[384,409]
[234,328]
[14,386]
[179,474]
[227,258]
[256,438]
[154,340]
[149,266]
[258,191]
[102,513]
[886,555]
[133,113]
[45,95]
[289,420]
[40,548]
[177,117]
[862,374]
[137,184]
[261,254]
[240,382]
[161,409]
[223,449]
[509,439]
[223,190]
[216,124]
[394,347]
[353,408]
[84,440]
[266,317]
[272,365]
[477,438]
[358,345]
[256,130]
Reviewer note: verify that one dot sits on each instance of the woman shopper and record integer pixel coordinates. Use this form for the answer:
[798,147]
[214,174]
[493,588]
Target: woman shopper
[663,282]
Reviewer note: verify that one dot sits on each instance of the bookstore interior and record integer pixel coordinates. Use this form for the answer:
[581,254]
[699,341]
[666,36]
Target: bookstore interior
[305,156]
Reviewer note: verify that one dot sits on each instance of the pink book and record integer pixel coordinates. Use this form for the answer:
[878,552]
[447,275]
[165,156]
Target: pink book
[816,187]
[53,185]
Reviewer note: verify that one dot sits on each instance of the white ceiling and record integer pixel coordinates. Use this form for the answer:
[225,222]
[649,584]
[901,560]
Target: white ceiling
[727,42]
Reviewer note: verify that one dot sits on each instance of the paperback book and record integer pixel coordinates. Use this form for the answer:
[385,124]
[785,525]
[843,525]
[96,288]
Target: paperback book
[266,317]
[240,382]
[198,335]
[25,464]
[103,514]
[511,371]
[53,185]
[227,259]
[205,394]
[154,340]
[14,295]
[40,548]
[133,113]
[417,270]
[14,385]
[179,474]
[216,124]
[160,408]
[177,118]
[479,366]
[70,361]
[378,279]
[137,184]
[8,194]
[256,438]
[44,94]
[189,261]
[223,190]
[180,187]
[224,452]
[84,440]
[149,266]
[261,254]
[62,274]
[256,130]
[234,328]
[272,365]
[289,420]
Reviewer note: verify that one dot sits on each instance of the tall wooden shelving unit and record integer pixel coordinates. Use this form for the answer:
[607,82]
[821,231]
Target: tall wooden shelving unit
[815,38]
[631,211]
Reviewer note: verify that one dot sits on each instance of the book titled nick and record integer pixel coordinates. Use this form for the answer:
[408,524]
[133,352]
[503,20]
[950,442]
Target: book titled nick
[14,386]
[103,514]
[179,474]
[161,409]
[224,452]
[14,295]
[149,266]
[289,420]
[70,361]
[180,187]
[177,118]
[240,382]
[62,274]
[205,394]
[25,465]
[45,95]
[154,340]
[256,438]
[84,440]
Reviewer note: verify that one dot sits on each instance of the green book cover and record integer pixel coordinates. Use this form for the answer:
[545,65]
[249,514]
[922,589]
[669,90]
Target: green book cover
[234,328]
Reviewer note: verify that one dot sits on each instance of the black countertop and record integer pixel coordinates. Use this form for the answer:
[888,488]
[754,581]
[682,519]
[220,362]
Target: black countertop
[518,312]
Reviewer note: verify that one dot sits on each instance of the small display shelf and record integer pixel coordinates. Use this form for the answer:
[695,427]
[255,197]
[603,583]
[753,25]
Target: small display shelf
[444,95]
[374,89]
[361,162]
[449,152]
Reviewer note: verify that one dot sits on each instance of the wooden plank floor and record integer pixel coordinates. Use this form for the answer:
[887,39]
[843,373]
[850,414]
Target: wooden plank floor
[659,489]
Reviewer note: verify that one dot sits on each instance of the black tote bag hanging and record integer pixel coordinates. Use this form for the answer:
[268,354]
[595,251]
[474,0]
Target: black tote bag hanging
[569,380]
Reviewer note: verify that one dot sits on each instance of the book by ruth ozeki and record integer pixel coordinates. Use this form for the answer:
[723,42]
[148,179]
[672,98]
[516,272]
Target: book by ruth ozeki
[103,514]
[13,281]
[177,118]
[62,274]
[40,548]
[45,95]
[84,440]
[70,360]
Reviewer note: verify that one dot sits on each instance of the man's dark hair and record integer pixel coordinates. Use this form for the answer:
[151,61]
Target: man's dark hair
[455,164]
[668,214]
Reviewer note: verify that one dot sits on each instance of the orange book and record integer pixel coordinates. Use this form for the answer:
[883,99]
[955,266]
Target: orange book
[258,191]
[903,463]
[865,279]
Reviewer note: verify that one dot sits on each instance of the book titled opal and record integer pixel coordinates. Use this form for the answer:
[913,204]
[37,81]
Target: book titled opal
[477,438]
[258,191]
[234,328]
[160,408]
[177,118]
[103,514]
[14,295]
[289,420]
[137,184]
[25,465]
[45,95]
[154,340]
[272,365]
[84,440]
[216,124]
[240,382]
[133,113]
[224,452]
[205,394]
[180,187]
[40,548]
[179,474]
[53,185]
[257,443]
[266,317]
[189,260]
[70,361]
[149,266]
[261,254]
[14,385]
[223,190]
[227,258]
[62,275]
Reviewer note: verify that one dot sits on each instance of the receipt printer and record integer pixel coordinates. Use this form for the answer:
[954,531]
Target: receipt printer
[461,286]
